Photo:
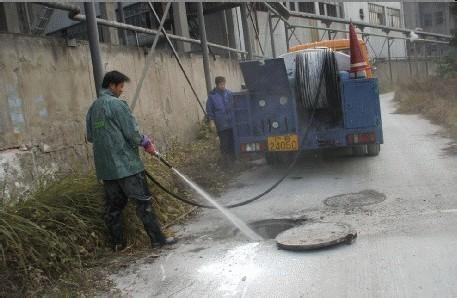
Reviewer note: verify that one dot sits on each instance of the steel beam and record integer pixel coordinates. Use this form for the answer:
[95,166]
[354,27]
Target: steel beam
[246,34]
[76,16]
[368,34]
[175,53]
[94,45]
[149,58]
[363,24]
[120,8]
[272,36]
[389,59]
[204,43]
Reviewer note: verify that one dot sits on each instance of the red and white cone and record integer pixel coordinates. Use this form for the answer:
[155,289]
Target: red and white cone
[358,64]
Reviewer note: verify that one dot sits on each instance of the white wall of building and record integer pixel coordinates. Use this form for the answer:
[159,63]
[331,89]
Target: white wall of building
[377,46]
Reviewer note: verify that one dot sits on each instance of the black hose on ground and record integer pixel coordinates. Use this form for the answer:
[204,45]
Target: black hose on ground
[255,198]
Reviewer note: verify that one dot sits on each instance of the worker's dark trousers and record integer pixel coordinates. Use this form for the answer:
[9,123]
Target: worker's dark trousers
[117,194]
[226,142]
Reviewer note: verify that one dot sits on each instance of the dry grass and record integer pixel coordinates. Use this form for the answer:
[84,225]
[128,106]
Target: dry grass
[49,238]
[435,99]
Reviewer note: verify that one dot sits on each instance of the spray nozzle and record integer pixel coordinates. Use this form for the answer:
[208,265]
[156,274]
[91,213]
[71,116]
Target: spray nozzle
[160,157]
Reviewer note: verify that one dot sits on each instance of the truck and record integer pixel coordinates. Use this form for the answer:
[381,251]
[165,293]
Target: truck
[270,116]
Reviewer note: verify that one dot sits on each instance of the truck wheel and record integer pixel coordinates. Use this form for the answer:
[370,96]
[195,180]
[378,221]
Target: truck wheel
[359,150]
[373,149]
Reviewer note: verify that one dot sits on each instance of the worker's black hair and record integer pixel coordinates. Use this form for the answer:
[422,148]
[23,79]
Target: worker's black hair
[219,80]
[114,77]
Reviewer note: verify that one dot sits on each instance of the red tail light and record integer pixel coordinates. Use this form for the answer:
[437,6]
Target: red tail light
[361,138]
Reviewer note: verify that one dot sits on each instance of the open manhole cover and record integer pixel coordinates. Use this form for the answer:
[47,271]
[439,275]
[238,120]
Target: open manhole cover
[315,235]
[270,228]
[357,199]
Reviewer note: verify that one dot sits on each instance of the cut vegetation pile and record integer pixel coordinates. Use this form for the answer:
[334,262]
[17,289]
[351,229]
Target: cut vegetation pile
[60,228]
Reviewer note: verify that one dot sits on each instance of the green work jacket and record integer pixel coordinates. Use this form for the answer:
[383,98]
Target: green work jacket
[114,133]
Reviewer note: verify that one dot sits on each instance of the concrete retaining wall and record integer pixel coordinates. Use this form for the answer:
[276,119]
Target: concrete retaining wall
[46,88]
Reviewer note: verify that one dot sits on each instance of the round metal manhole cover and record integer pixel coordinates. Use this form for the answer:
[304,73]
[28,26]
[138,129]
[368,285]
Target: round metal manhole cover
[357,199]
[315,235]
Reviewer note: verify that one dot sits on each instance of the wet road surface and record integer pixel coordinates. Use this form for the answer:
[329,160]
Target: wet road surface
[402,204]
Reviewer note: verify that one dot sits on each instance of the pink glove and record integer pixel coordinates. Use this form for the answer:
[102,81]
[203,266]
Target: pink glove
[147,144]
[151,148]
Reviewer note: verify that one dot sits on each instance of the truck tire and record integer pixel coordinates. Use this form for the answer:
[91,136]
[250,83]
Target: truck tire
[360,150]
[373,149]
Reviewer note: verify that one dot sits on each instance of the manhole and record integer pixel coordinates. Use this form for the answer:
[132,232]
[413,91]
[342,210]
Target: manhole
[270,228]
[357,199]
[315,235]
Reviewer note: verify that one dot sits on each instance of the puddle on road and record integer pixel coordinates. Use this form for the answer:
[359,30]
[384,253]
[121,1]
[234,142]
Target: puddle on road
[354,200]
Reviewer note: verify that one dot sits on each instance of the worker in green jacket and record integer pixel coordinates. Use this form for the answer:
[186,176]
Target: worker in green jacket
[114,133]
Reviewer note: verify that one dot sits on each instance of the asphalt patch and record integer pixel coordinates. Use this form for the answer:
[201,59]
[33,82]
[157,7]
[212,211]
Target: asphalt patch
[357,199]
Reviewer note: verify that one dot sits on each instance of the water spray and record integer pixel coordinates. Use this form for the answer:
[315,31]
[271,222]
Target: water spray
[241,225]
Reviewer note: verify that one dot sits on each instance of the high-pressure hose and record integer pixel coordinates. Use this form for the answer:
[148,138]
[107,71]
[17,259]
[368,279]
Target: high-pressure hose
[255,198]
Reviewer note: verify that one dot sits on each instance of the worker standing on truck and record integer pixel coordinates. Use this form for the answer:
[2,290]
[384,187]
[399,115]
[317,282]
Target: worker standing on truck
[219,110]
[114,133]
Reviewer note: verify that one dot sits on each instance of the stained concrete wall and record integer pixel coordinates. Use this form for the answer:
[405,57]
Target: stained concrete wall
[47,87]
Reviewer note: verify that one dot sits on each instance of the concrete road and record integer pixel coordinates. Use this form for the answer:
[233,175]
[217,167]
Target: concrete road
[406,246]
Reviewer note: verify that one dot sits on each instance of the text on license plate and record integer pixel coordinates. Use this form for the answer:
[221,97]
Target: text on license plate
[283,143]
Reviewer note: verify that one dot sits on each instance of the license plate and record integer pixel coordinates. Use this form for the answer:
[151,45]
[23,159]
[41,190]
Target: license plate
[283,143]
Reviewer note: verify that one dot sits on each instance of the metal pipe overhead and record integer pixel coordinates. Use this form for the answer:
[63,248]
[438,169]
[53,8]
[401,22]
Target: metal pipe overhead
[76,16]
[204,43]
[370,34]
[363,24]
[94,45]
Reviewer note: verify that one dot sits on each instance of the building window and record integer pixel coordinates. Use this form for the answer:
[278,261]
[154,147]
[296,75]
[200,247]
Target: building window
[331,10]
[439,18]
[393,17]
[306,7]
[376,14]
[321,9]
[427,19]
[327,9]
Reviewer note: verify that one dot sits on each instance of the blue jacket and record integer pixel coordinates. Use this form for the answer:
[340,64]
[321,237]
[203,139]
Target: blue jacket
[219,108]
